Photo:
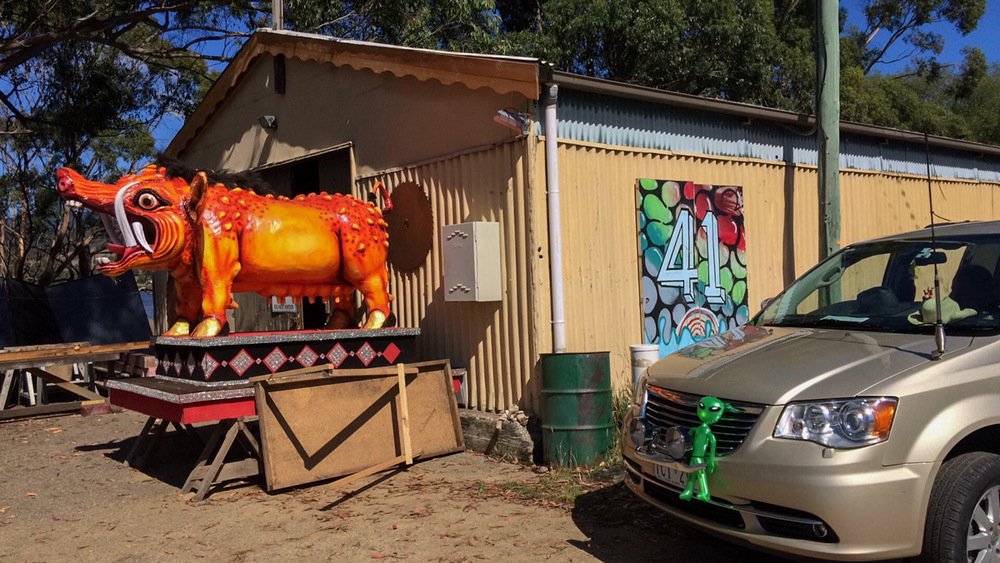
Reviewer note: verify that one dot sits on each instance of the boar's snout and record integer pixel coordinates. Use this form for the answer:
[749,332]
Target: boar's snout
[64,181]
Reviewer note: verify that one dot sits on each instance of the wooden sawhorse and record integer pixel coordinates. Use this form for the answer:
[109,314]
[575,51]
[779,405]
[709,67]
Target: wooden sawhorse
[206,474]
[173,402]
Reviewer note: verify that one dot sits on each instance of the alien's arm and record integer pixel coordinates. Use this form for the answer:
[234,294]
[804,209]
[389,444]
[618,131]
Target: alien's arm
[711,453]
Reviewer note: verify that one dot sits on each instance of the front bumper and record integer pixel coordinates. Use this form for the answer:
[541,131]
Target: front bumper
[793,497]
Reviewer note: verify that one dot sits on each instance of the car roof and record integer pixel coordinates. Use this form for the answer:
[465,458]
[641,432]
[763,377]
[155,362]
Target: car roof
[967,228]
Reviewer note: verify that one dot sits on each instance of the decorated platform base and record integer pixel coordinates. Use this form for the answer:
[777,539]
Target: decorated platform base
[232,359]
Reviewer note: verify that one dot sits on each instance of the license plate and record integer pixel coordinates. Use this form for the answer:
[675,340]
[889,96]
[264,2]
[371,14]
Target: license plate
[670,475]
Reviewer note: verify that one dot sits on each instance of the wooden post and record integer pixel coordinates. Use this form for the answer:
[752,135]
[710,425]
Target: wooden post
[8,379]
[404,414]
[370,471]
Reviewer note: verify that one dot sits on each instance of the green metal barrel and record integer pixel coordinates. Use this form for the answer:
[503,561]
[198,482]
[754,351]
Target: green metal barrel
[577,424]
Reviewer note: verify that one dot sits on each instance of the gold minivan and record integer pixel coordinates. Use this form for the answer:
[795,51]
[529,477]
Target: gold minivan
[864,408]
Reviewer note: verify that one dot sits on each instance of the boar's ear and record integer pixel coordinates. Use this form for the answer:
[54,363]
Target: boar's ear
[198,184]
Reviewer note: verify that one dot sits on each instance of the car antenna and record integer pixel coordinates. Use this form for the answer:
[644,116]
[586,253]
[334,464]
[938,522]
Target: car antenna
[939,337]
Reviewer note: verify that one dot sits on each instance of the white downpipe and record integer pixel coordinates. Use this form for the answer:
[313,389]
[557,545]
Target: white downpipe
[555,224]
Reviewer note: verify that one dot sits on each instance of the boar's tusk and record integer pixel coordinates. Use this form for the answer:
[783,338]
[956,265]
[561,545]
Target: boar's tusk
[140,234]
[122,218]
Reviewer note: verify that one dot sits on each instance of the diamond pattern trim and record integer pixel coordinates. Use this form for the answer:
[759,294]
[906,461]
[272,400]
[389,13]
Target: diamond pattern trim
[391,352]
[337,355]
[307,357]
[209,365]
[191,364]
[275,360]
[366,354]
[241,362]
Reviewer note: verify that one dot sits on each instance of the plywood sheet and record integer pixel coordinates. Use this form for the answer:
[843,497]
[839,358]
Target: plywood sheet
[320,427]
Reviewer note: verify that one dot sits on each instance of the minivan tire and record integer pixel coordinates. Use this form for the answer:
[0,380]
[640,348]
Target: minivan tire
[962,485]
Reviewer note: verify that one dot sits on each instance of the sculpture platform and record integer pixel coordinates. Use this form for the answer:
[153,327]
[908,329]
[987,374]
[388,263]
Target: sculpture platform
[233,359]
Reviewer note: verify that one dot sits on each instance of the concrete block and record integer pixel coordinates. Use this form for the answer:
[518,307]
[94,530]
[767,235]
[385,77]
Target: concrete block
[487,433]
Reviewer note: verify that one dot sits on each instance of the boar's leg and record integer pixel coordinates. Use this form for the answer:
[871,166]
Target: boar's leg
[188,307]
[342,315]
[374,288]
[219,265]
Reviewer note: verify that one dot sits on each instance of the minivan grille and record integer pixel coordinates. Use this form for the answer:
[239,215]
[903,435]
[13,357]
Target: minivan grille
[665,408]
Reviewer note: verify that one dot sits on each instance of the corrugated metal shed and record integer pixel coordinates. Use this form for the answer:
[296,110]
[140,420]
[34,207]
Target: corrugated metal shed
[614,120]
[493,340]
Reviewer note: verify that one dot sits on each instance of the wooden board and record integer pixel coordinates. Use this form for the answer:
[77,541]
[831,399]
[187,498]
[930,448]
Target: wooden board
[315,428]
[38,356]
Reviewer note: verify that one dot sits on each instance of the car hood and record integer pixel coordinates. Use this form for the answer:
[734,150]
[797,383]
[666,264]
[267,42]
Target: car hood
[775,365]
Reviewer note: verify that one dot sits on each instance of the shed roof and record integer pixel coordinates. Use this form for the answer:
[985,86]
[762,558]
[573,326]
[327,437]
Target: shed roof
[499,73]
[502,74]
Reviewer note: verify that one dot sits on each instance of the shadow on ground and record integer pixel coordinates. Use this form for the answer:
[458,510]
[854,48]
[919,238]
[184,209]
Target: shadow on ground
[621,527]
[171,458]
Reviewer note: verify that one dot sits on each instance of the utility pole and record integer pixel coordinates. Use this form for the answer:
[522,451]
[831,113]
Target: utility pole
[278,14]
[828,118]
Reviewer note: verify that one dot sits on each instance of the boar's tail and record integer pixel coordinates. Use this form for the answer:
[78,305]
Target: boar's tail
[379,186]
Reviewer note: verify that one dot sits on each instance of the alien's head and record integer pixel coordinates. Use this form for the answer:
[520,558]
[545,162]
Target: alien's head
[710,409]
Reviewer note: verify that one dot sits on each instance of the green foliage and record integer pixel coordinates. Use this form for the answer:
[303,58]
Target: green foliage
[621,401]
[437,24]
[962,102]
[83,85]
[980,105]
[712,48]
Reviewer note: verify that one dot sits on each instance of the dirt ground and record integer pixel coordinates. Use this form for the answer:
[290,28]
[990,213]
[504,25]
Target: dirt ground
[65,495]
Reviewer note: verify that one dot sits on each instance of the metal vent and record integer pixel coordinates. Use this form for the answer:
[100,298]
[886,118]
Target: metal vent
[665,409]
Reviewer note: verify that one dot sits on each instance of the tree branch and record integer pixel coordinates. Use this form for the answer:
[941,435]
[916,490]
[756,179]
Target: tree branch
[903,29]
[87,28]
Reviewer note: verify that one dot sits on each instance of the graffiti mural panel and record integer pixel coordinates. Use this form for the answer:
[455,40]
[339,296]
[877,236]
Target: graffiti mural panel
[693,257]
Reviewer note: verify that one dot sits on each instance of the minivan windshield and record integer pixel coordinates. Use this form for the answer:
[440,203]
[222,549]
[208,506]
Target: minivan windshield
[889,286]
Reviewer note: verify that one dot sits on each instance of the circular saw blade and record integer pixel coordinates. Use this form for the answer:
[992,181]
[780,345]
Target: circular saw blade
[411,224]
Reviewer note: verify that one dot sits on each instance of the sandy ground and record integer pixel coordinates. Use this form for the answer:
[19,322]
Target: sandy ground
[65,495]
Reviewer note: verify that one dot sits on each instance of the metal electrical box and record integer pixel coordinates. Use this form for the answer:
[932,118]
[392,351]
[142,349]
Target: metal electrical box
[471,261]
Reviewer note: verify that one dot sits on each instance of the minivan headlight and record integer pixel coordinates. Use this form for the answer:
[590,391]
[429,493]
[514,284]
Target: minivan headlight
[838,423]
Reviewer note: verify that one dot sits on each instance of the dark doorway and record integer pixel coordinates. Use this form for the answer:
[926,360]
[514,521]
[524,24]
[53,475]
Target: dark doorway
[329,172]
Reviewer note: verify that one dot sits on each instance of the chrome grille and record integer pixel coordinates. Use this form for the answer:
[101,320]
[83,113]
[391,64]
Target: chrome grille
[665,409]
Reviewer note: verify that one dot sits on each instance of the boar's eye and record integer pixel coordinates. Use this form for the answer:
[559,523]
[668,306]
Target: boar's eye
[148,200]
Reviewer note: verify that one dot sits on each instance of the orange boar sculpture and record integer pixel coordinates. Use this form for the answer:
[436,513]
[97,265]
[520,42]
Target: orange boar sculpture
[216,241]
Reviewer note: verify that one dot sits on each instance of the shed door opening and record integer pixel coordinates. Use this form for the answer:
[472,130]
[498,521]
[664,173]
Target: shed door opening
[329,172]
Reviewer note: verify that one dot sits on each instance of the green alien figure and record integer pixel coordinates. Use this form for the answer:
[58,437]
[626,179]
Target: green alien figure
[710,410]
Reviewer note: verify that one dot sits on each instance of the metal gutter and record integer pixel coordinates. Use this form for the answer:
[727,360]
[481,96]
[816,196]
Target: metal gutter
[689,101]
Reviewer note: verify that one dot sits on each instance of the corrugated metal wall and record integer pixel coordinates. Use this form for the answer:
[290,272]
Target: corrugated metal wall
[610,120]
[600,242]
[492,340]
[876,204]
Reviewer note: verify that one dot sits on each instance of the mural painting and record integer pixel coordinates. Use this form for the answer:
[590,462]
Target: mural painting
[693,256]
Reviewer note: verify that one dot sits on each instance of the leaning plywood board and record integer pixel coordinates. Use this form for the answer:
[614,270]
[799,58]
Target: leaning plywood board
[321,427]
